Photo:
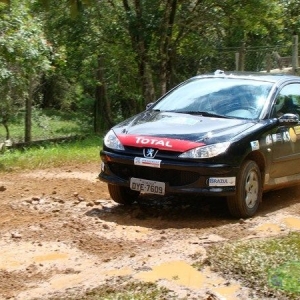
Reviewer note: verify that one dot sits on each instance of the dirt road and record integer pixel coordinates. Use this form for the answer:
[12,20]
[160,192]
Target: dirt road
[61,234]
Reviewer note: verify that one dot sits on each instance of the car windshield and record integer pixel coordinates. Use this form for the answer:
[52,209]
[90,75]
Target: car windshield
[219,97]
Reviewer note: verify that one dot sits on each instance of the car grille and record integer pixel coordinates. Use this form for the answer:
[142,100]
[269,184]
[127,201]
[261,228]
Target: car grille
[173,177]
[161,154]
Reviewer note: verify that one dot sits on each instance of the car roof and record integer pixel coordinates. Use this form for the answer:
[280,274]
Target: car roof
[270,77]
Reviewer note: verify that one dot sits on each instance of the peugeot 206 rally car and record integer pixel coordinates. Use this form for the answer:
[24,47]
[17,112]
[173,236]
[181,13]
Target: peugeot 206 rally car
[230,135]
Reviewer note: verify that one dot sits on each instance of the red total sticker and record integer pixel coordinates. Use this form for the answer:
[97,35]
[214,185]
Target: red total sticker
[158,143]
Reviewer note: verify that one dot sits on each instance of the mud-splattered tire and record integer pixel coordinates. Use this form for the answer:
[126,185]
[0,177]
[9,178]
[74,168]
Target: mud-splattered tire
[122,195]
[248,191]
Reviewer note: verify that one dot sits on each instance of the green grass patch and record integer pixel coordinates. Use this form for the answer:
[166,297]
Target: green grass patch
[129,291]
[271,267]
[48,124]
[49,154]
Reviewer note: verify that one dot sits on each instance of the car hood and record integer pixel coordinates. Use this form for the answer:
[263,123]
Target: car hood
[177,131]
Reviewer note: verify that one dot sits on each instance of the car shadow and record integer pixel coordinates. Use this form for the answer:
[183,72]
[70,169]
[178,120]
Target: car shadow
[279,199]
[165,212]
[188,211]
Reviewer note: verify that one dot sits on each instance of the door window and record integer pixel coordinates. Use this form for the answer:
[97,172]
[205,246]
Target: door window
[288,100]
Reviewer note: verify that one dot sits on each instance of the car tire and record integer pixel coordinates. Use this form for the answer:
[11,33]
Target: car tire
[245,202]
[122,195]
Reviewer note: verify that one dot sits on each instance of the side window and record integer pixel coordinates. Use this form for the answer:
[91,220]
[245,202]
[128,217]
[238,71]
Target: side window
[288,100]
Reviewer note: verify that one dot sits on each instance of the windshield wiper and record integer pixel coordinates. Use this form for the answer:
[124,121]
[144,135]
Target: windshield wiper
[194,112]
[201,113]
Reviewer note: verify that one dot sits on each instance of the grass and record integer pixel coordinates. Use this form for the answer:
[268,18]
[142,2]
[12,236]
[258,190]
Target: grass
[271,266]
[129,291]
[48,124]
[52,154]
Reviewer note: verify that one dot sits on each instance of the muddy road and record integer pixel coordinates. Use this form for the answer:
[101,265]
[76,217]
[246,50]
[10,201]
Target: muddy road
[60,234]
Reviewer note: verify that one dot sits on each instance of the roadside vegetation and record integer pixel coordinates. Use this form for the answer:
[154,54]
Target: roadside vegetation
[271,267]
[59,138]
[49,124]
[129,291]
[52,154]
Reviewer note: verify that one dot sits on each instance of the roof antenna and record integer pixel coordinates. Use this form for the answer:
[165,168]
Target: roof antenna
[219,72]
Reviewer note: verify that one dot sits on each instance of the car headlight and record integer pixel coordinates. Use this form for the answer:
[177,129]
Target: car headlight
[206,151]
[111,141]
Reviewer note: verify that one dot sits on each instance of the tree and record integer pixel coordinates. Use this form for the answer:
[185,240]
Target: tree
[82,73]
[122,54]
[25,55]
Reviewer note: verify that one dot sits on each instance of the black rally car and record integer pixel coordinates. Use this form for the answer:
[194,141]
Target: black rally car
[232,135]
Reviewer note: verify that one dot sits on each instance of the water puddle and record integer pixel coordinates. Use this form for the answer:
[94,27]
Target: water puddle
[23,254]
[271,228]
[228,291]
[50,257]
[268,228]
[178,271]
[182,273]
[66,281]
[293,223]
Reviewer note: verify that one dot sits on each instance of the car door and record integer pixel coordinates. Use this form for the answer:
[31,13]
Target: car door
[286,138]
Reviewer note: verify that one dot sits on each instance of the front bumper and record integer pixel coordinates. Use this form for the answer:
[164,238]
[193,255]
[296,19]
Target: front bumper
[180,176]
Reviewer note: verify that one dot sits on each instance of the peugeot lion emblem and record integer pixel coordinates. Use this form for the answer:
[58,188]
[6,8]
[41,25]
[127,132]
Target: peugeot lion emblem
[149,152]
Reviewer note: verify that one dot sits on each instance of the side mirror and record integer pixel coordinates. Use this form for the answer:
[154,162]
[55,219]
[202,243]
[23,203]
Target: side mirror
[288,120]
[149,105]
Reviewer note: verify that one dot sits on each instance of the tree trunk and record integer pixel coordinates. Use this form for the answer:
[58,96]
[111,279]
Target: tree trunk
[47,92]
[102,113]
[7,135]
[166,37]
[28,113]
[149,90]
[137,32]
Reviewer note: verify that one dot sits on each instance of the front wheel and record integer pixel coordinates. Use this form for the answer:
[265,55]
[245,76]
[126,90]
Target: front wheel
[122,194]
[245,202]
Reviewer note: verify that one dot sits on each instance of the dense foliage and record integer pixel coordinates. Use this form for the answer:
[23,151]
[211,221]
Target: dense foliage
[108,59]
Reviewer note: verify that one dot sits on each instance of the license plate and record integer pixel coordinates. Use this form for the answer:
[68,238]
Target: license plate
[147,186]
